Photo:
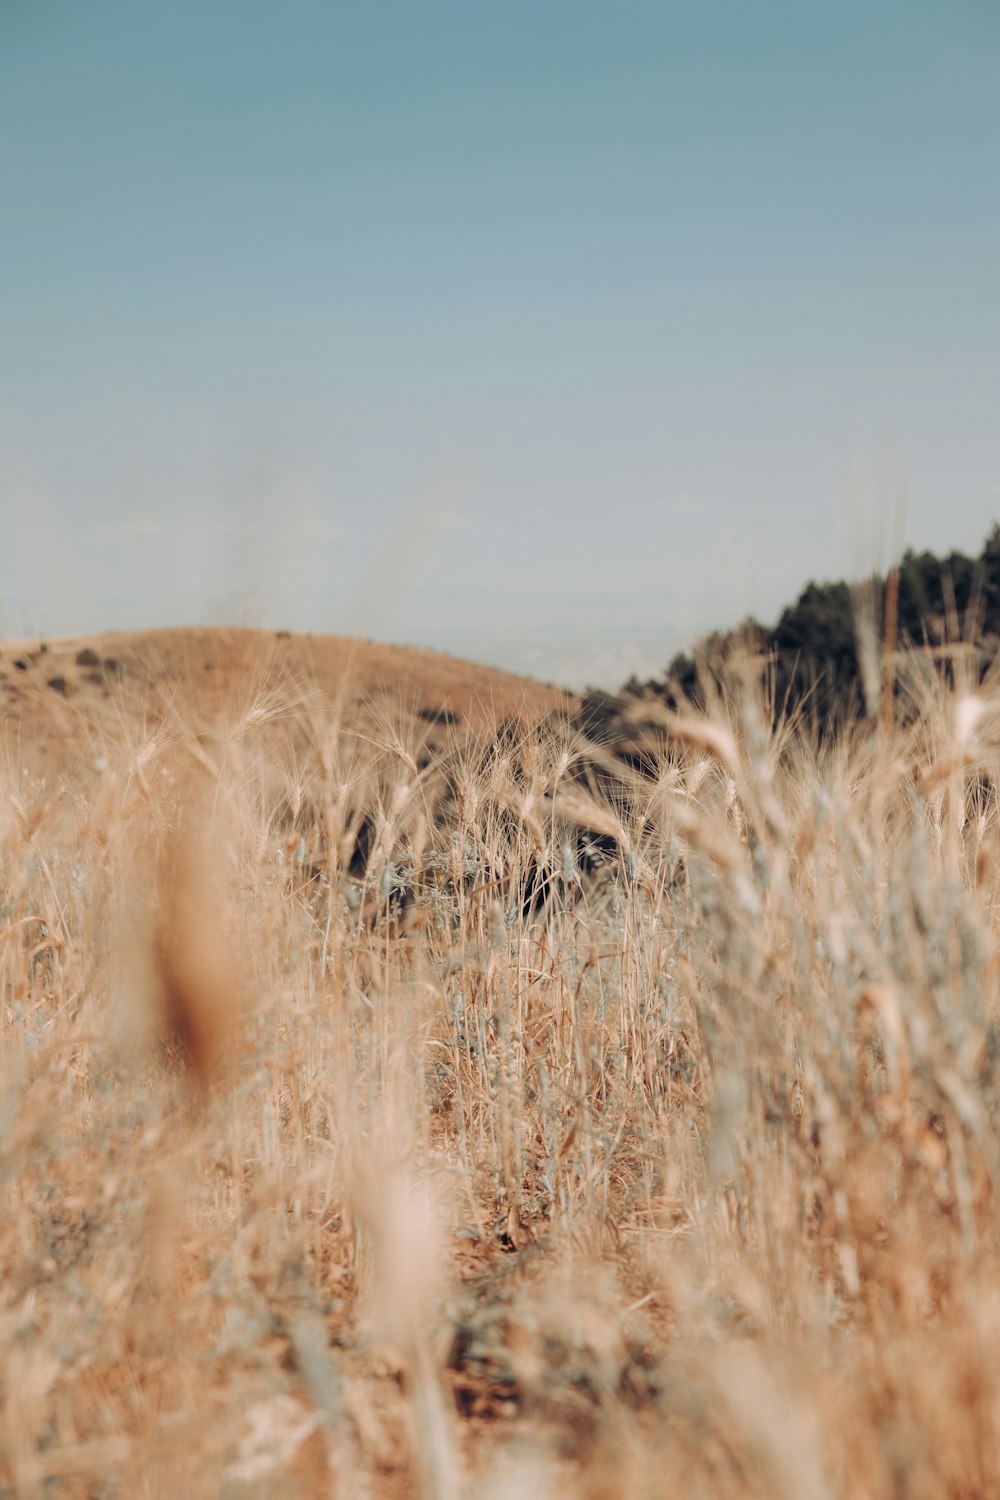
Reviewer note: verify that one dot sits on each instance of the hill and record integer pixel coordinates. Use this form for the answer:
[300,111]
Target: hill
[46,686]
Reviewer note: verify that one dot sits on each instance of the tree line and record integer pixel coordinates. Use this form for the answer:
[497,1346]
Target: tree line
[823,657]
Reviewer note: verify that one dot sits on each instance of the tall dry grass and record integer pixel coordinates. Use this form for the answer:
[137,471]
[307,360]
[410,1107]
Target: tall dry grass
[591,1136]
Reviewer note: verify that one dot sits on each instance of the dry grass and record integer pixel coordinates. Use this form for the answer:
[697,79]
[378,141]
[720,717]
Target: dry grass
[394,1107]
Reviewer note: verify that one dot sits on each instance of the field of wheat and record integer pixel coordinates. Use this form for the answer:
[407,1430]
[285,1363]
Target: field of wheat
[394,1104]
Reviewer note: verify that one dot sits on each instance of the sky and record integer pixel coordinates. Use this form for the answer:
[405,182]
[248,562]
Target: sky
[552,334]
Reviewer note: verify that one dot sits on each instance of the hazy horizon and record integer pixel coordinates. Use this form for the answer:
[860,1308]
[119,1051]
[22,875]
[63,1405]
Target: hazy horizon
[545,335]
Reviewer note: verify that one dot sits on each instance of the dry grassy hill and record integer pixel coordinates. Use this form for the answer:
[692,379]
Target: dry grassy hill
[367,1129]
[221,670]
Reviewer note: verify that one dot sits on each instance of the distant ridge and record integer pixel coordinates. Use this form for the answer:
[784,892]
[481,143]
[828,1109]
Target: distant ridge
[203,669]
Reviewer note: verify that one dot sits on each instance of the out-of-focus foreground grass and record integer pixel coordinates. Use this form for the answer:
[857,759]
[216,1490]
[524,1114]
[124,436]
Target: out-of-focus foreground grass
[494,1120]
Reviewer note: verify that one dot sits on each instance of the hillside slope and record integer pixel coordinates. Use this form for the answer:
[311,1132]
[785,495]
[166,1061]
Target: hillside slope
[47,686]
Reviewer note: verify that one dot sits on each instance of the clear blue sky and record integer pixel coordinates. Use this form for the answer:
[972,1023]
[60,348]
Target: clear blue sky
[554,333]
